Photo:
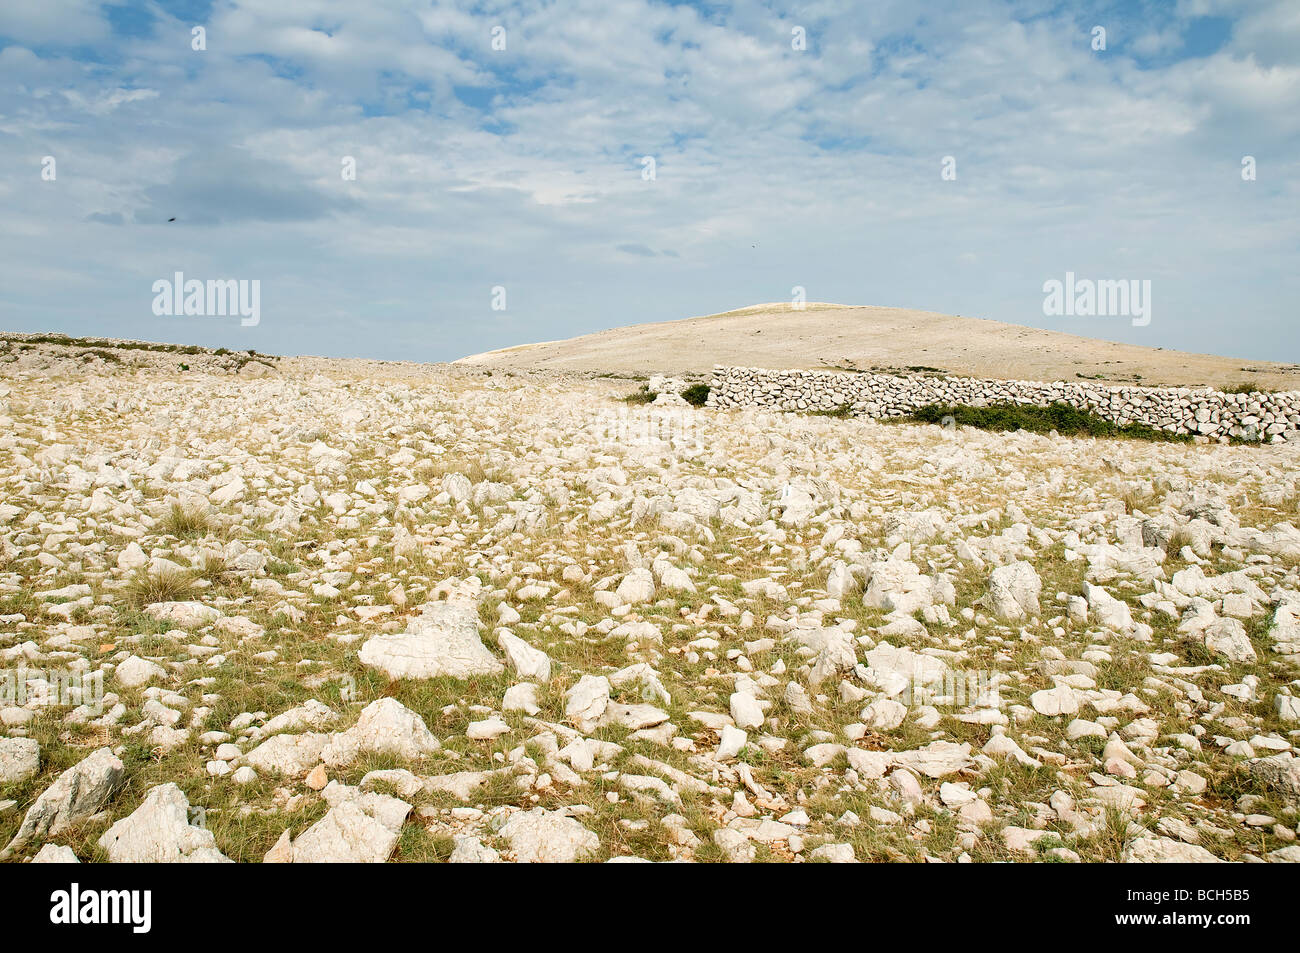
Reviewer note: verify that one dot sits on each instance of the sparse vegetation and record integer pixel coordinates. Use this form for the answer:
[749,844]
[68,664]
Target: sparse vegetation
[696,395]
[684,572]
[168,585]
[1062,418]
[185,522]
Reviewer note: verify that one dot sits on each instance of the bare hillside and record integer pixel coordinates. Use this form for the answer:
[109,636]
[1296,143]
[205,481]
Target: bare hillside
[872,338]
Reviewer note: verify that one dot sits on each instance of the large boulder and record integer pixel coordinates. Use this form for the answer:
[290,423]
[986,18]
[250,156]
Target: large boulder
[75,795]
[1013,591]
[160,832]
[385,726]
[443,640]
[540,836]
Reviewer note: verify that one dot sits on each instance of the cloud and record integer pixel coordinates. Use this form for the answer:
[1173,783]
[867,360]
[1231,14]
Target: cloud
[774,167]
[226,185]
[636,248]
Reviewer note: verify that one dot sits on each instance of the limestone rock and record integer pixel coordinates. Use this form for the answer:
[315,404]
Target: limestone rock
[444,640]
[541,836]
[160,832]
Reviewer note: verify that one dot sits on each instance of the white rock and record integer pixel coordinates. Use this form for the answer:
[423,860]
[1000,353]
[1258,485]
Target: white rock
[542,836]
[20,759]
[1014,590]
[525,660]
[1164,850]
[160,832]
[55,854]
[385,726]
[134,671]
[746,711]
[75,795]
[585,702]
[470,850]
[636,587]
[443,640]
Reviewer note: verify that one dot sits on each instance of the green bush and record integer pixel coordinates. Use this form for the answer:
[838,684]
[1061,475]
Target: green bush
[696,394]
[1064,419]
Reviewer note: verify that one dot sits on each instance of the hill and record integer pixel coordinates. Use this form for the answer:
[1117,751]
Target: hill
[834,336]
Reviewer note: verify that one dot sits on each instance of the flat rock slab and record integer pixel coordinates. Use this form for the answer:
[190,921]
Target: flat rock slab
[1165,850]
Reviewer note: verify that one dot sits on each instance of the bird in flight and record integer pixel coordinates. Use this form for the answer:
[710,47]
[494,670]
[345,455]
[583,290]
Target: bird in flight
[171,219]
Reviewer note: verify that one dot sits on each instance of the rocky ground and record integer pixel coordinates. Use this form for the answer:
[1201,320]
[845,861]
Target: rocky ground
[358,611]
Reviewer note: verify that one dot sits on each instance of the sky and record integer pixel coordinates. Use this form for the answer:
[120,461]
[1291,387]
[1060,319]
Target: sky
[528,171]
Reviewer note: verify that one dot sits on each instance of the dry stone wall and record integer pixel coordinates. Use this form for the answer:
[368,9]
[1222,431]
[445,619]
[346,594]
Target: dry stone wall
[1196,411]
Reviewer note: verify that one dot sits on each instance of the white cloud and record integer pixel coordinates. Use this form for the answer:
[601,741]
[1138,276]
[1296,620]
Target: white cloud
[774,167]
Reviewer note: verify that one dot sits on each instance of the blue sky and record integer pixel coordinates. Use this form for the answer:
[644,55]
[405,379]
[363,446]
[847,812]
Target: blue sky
[522,168]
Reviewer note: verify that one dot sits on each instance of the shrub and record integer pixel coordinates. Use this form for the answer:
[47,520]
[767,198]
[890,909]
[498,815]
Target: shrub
[1064,419]
[696,394]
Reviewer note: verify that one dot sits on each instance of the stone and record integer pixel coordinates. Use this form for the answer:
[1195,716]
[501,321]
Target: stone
[20,759]
[316,778]
[746,711]
[1060,700]
[521,697]
[443,640]
[359,828]
[290,755]
[160,832]
[1164,850]
[1106,609]
[833,854]
[541,836]
[1013,591]
[636,587]
[524,660]
[585,702]
[186,615]
[385,726]
[77,794]
[1280,772]
[134,671]
[1228,637]
[470,850]
[735,846]
[55,854]
[732,741]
